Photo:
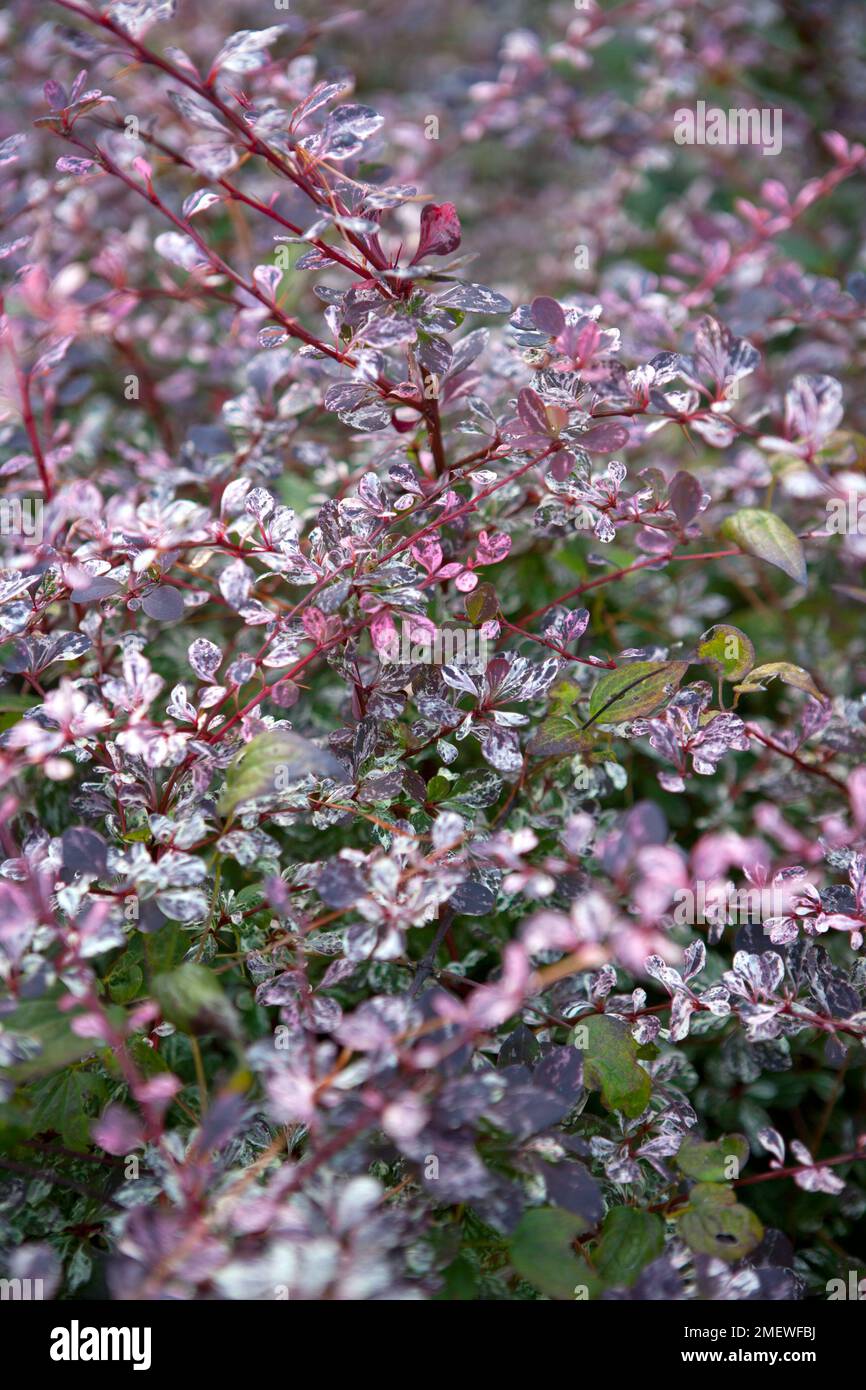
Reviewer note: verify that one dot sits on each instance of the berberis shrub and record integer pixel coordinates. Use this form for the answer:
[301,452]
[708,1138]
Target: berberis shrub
[433,748]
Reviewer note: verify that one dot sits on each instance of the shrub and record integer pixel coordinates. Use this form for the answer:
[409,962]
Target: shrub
[433,751]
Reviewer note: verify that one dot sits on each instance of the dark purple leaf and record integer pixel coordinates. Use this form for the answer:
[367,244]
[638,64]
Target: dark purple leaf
[164,604]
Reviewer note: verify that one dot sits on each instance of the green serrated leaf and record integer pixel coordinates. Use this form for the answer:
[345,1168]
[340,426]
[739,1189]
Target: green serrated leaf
[719,1161]
[125,982]
[542,1252]
[715,1223]
[610,1064]
[67,1103]
[765,535]
[727,651]
[630,1239]
[635,690]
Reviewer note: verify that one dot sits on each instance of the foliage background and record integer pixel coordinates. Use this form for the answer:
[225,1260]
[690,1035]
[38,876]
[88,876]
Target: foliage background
[552,135]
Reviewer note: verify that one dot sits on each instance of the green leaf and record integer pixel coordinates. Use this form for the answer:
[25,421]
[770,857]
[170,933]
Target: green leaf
[727,650]
[166,948]
[556,736]
[190,997]
[711,1162]
[13,706]
[635,690]
[765,535]
[714,1223]
[269,763]
[439,787]
[460,1282]
[15,1122]
[141,835]
[787,673]
[79,1269]
[610,1064]
[54,1043]
[541,1251]
[252,896]
[482,604]
[125,981]
[559,735]
[630,1239]
[10,703]
[564,694]
[67,1103]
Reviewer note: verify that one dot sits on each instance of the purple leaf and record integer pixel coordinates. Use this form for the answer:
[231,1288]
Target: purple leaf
[685,494]
[548,316]
[604,439]
[164,604]
[440,231]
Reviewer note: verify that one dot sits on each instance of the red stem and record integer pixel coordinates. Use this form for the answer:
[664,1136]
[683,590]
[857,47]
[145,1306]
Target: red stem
[23,380]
